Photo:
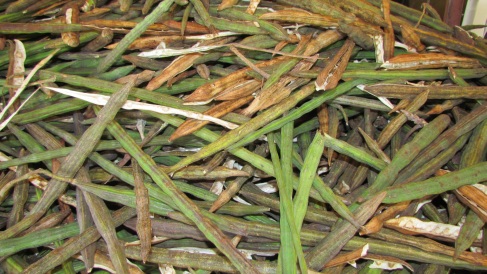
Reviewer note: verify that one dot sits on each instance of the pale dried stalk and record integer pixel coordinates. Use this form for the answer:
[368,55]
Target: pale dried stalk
[102,100]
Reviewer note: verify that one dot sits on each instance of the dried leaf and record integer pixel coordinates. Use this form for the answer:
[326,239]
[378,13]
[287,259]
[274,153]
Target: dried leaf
[144,227]
[248,63]
[411,38]
[225,4]
[332,73]
[272,95]
[429,60]
[375,224]
[177,66]
[239,90]
[22,87]
[363,10]
[414,226]
[349,257]
[216,111]
[125,5]
[16,70]
[300,16]
[474,196]
[203,71]
[323,118]
[208,92]
[389,38]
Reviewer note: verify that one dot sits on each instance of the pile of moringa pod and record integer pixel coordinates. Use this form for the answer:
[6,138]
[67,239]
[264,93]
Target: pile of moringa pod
[203,136]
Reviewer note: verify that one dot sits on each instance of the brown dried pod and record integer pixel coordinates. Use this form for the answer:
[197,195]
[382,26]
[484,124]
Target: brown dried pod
[225,4]
[253,4]
[100,41]
[72,17]
[207,92]
[475,198]
[179,65]
[349,257]
[219,110]
[332,73]
[16,69]
[463,36]
[239,90]
[301,16]
[389,38]
[429,60]
[414,226]
[280,90]
[411,38]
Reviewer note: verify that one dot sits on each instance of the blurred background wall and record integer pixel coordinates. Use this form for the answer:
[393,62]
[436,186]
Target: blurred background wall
[456,12]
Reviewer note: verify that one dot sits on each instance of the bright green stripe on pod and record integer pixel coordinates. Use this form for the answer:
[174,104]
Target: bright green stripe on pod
[298,112]
[408,153]
[307,175]
[287,254]
[453,180]
[35,115]
[446,140]
[358,154]
[183,203]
